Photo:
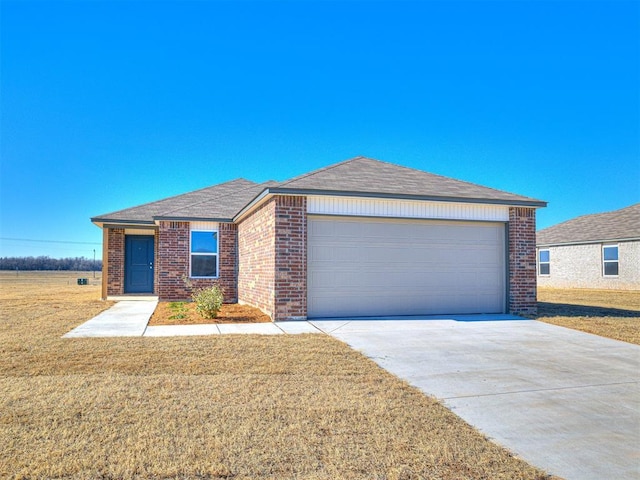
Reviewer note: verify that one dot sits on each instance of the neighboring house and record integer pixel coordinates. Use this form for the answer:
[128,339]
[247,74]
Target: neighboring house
[593,251]
[358,238]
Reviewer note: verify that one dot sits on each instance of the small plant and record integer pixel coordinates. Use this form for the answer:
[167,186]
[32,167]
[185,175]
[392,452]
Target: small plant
[179,310]
[208,301]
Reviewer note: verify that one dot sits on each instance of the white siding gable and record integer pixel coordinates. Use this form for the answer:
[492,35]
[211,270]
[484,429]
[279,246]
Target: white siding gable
[380,207]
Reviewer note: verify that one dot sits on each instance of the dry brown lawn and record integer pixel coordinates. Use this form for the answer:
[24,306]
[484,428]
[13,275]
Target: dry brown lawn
[184,313]
[218,407]
[608,313]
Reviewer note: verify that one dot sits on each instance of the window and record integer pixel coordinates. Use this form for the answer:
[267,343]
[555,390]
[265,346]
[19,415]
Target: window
[544,264]
[204,253]
[610,260]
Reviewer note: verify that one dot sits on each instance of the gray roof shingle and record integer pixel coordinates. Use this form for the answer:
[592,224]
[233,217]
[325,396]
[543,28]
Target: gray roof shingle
[220,202]
[364,175]
[623,224]
[358,176]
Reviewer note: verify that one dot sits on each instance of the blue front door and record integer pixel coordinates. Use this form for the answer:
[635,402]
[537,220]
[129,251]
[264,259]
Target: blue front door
[138,264]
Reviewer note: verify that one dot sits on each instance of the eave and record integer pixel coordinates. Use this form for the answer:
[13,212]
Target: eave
[587,242]
[269,192]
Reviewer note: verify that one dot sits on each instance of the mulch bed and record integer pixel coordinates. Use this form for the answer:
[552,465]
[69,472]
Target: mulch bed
[184,313]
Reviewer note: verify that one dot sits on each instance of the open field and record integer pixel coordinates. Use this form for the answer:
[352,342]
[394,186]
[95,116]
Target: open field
[608,313]
[219,407]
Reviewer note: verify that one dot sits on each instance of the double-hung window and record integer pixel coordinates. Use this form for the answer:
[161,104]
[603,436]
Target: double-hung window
[544,262]
[204,253]
[610,260]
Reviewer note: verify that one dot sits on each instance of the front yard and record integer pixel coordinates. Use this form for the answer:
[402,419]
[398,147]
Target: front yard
[609,313]
[219,407]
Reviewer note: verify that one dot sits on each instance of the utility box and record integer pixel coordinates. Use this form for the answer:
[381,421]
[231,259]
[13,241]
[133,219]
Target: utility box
[83,281]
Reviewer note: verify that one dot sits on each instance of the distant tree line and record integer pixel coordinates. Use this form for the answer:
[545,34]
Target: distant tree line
[80,264]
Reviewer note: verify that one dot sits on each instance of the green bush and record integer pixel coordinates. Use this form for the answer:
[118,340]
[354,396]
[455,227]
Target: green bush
[208,301]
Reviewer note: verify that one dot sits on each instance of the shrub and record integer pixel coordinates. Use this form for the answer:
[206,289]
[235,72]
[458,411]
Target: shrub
[179,310]
[208,301]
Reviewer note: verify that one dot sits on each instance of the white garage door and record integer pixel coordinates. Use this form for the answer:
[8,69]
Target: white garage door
[375,267]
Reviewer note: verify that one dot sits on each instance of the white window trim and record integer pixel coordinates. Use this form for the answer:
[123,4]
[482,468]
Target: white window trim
[604,262]
[544,263]
[217,254]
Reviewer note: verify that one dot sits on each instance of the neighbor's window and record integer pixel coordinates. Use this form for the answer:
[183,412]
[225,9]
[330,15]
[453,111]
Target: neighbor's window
[544,264]
[610,260]
[204,253]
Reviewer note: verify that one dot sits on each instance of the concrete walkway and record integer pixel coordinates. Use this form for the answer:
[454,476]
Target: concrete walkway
[124,319]
[129,318]
[563,400]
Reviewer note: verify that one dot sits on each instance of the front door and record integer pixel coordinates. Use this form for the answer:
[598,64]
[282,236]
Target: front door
[138,264]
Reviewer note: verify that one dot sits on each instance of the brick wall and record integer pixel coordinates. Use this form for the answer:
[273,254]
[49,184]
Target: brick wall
[172,265]
[228,261]
[115,267]
[291,258]
[256,258]
[522,261]
[580,266]
[272,257]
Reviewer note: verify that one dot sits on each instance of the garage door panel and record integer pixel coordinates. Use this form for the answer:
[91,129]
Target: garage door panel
[370,267]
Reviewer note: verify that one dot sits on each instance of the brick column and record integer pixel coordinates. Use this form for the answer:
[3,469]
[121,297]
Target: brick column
[172,260]
[228,261]
[522,261]
[290,286]
[115,257]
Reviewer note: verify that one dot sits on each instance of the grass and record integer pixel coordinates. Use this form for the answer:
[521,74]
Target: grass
[608,313]
[218,407]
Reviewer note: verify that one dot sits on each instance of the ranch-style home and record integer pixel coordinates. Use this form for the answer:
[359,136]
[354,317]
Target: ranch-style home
[358,238]
[601,251]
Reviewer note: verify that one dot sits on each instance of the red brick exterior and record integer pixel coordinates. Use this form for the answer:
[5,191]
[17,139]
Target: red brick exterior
[272,258]
[173,262]
[256,258]
[263,259]
[115,267]
[522,261]
[228,261]
[172,266]
[291,258]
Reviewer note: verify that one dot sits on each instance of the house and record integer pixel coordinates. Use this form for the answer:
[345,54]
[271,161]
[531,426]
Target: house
[593,251]
[358,238]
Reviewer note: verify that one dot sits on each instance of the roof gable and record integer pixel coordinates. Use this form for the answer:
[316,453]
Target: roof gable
[623,224]
[366,176]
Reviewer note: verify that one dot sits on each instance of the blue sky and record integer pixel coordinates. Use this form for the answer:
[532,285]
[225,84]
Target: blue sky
[106,105]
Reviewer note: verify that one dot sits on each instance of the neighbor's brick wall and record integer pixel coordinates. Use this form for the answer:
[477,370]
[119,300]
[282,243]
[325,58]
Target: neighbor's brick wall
[580,266]
[115,255]
[256,258]
[172,264]
[291,258]
[522,261]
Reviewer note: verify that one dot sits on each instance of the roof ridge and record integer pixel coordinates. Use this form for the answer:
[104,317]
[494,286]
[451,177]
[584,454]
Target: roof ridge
[176,196]
[214,197]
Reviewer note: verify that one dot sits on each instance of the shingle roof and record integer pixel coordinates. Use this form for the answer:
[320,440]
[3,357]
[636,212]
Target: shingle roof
[364,175]
[220,202]
[623,224]
[358,176]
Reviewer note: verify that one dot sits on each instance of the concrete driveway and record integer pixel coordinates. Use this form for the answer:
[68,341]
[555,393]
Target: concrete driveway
[565,401]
